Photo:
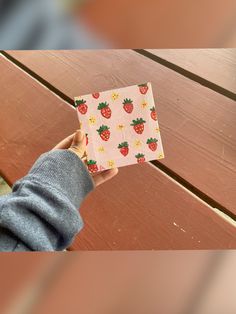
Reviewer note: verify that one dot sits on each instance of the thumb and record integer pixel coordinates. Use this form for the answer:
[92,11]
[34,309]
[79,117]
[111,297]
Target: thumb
[78,138]
[78,145]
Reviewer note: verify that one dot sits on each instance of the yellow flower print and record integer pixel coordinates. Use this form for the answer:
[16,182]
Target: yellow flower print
[101,149]
[120,127]
[157,129]
[160,156]
[144,104]
[114,96]
[137,144]
[92,120]
[111,163]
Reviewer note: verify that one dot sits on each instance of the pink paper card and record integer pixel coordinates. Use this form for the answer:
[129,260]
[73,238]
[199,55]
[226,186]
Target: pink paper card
[121,127]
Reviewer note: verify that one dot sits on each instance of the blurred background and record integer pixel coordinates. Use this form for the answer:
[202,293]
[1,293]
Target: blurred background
[167,282]
[71,24]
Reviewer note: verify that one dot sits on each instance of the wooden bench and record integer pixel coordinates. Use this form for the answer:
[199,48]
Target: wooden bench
[185,201]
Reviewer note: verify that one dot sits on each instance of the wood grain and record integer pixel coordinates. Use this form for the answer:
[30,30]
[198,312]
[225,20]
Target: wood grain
[197,124]
[32,121]
[214,65]
[144,210]
[141,208]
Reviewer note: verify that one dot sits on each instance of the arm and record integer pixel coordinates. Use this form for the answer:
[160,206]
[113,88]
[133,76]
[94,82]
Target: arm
[41,212]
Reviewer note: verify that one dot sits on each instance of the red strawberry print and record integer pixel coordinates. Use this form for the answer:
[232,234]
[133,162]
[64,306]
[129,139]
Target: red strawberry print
[105,109]
[81,106]
[86,138]
[128,105]
[96,95]
[140,158]
[152,143]
[124,148]
[153,113]
[138,125]
[143,88]
[104,132]
[92,166]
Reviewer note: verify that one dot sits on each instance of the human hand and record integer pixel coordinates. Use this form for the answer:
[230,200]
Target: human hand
[77,144]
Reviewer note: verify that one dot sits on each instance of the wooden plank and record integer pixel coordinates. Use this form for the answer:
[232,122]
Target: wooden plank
[214,65]
[197,124]
[145,210]
[141,208]
[32,121]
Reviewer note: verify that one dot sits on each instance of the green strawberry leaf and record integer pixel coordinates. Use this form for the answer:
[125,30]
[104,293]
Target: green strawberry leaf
[80,102]
[124,144]
[138,121]
[102,105]
[152,140]
[139,156]
[91,162]
[102,128]
[127,101]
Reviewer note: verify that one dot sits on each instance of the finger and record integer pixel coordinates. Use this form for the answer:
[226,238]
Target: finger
[104,176]
[66,143]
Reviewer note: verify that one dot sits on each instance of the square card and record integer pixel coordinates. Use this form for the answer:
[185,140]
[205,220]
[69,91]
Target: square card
[121,127]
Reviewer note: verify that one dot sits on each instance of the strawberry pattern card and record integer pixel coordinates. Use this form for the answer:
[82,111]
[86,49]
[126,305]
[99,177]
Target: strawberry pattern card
[121,127]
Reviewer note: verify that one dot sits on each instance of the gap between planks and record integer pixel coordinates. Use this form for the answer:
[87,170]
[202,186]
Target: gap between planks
[188,74]
[211,203]
[38,78]
[193,190]
[229,217]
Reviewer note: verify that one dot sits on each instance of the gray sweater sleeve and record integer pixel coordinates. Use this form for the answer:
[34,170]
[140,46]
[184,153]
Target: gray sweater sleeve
[41,213]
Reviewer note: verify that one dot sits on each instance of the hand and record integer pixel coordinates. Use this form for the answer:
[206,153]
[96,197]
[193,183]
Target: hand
[77,144]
